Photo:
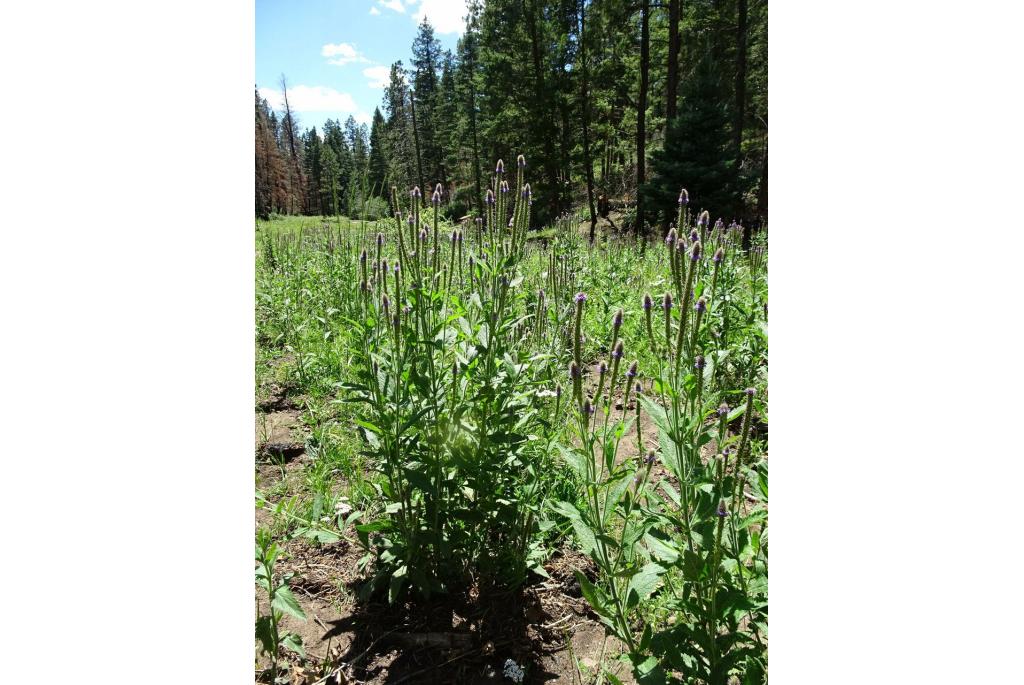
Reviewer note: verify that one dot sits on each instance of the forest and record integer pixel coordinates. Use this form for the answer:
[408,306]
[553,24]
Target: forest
[616,104]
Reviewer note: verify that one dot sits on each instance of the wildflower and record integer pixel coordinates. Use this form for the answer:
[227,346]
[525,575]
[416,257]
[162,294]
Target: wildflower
[602,368]
[512,670]
[684,197]
[574,371]
[695,253]
[648,303]
[526,191]
[499,167]
[521,162]
[558,391]
[749,392]
[666,302]
[588,407]
[721,508]
[719,255]
[362,257]
[397,268]
[651,456]
[380,239]
[436,198]
[704,218]
[490,197]
[723,411]
[670,238]
[618,351]
[455,235]
[694,236]
[504,186]
[415,192]
[581,297]
[386,303]
[631,372]
[617,320]
[638,389]
[719,224]
[698,362]
[701,305]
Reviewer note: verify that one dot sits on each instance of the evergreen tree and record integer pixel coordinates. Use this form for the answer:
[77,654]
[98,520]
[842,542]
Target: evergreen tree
[378,168]
[696,153]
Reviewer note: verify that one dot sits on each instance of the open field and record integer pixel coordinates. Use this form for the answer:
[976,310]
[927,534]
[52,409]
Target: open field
[456,480]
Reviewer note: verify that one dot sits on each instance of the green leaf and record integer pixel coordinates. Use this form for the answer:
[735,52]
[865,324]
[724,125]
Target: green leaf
[644,583]
[594,596]
[584,534]
[285,601]
[265,633]
[293,642]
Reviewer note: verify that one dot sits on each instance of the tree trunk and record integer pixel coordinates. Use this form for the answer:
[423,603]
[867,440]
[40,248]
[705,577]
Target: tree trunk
[476,147]
[741,76]
[588,163]
[641,112]
[672,87]
[294,171]
[762,190]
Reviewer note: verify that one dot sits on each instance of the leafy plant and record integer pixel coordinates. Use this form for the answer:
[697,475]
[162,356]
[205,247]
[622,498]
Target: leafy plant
[281,600]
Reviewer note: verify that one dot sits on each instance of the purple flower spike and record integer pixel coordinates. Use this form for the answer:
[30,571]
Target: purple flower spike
[704,218]
[618,352]
[721,508]
[558,391]
[719,256]
[490,196]
[499,168]
[436,198]
[648,303]
[397,269]
[504,186]
[521,162]
[588,408]
[602,368]
[380,239]
[670,238]
[723,410]
[639,389]
[695,253]
[666,302]
[749,392]
[455,235]
[631,373]
[701,306]
[684,197]
[698,363]
[694,235]
[415,192]
[574,371]
[581,297]
[651,456]
[617,319]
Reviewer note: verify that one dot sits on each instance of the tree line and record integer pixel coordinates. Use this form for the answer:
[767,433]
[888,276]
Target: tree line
[622,99]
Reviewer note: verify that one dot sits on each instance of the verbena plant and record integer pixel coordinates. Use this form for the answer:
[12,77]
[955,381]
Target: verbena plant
[695,538]
[447,387]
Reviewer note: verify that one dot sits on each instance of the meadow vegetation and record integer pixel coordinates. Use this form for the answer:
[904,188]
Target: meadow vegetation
[479,409]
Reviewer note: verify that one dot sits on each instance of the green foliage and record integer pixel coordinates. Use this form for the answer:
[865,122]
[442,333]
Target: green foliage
[281,600]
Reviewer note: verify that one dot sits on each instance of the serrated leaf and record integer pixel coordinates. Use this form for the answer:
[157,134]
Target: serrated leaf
[293,642]
[285,601]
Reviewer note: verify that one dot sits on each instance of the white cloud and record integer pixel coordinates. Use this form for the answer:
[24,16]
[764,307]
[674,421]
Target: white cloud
[374,11]
[395,5]
[379,76]
[311,99]
[362,117]
[343,53]
[446,16]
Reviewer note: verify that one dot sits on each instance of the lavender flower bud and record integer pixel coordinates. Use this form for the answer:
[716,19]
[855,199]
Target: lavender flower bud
[694,235]
[436,198]
[719,256]
[558,391]
[648,303]
[617,320]
[666,302]
[719,224]
[602,368]
[749,392]
[704,218]
[526,191]
[684,197]
[651,456]
[490,197]
[588,407]
[581,297]
[423,234]
[503,187]
[723,410]
[499,167]
[639,389]
[698,362]
[631,373]
[574,371]
[397,268]
[385,303]
[521,162]
[380,239]
[695,253]
[415,192]
[670,238]
[701,305]
[455,235]
[722,512]
[362,257]
[618,351]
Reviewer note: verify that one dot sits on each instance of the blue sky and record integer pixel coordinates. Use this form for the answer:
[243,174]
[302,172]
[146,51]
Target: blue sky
[337,53]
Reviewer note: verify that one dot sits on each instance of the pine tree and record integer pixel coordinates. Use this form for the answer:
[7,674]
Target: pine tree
[697,151]
[378,168]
